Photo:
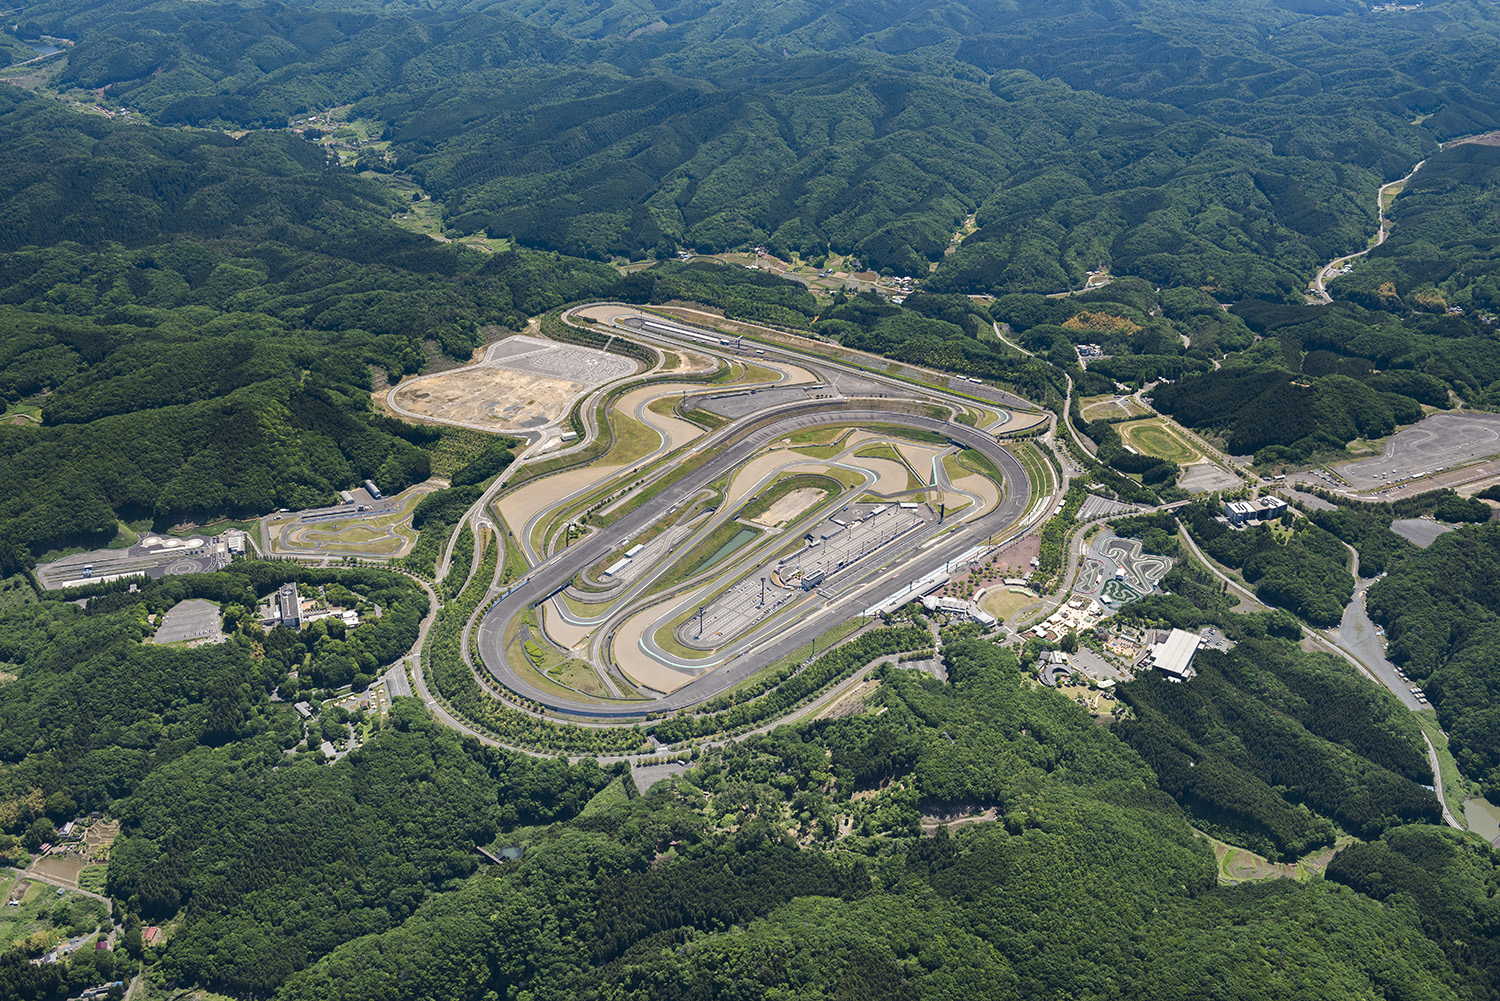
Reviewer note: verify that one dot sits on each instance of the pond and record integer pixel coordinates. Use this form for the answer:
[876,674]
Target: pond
[43,48]
[1483,818]
[741,537]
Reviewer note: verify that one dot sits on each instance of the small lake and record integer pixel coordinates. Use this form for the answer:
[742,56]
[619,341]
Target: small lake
[1483,818]
[741,537]
[43,48]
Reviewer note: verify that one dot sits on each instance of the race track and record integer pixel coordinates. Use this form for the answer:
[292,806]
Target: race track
[733,445]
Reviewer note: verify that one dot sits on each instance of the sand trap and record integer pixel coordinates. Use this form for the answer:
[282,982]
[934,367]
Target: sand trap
[789,507]
[919,456]
[635,663]
[678,432]
[891,475]
[762,467]
[519,507]
[1019,421]
[563,632]
[982,487]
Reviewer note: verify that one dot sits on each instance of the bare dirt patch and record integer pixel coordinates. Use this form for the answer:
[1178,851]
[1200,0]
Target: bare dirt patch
[538,495]
[62,868]
[522,382]
[891,476]
[788,507]
[491,397]
[857,701]
[1015,559]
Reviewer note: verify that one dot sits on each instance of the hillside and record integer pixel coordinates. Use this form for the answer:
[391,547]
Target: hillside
[1233,152]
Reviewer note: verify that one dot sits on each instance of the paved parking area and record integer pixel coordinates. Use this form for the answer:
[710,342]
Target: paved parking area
[194,619]
[1436,443]
[742,404]
[861,534]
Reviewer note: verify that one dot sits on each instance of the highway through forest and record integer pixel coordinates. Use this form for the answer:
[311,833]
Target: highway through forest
[736,443]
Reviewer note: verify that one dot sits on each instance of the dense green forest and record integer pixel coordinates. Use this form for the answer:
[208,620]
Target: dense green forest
[1440,612]
[1307,574]
[1230,151]
[1320,377]
[198,302]
[1089,879]
[1265,735]
[1442,252]
[199,318]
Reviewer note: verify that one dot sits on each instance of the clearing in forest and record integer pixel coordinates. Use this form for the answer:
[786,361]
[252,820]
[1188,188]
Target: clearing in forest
[1103,408]
[523,382]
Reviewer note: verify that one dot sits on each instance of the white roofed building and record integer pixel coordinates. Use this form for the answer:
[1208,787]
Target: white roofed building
[1173,656]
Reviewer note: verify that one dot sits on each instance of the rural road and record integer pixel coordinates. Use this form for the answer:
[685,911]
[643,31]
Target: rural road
[1329,271]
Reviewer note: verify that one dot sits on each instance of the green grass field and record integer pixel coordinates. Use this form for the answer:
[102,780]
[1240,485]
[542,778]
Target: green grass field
[879,452]
[1038,472]
[1155,437]
[519,656]
[1004,604]
[578,676]
[35,912]
[1240,865]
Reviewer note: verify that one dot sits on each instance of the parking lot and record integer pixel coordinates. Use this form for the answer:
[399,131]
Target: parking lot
[833,546]
[188,621]
[736,611]
[1438,442]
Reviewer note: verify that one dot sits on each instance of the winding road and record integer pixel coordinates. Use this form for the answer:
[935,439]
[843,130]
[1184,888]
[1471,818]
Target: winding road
[1329,271]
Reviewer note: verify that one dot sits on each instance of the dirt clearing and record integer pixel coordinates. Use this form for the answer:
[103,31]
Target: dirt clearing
[788,507]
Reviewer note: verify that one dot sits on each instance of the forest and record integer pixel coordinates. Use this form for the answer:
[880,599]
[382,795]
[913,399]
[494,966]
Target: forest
[1439,610]
[1266,742]
[714,877]
[200,303]
[1307,574]
[1248,154]
[1442,253]
[1323,376]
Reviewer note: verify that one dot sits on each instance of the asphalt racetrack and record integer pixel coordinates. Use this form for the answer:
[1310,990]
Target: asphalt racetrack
[736,443]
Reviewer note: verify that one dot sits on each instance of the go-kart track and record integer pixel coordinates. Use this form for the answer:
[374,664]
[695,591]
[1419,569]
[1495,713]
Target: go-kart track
[644,614]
